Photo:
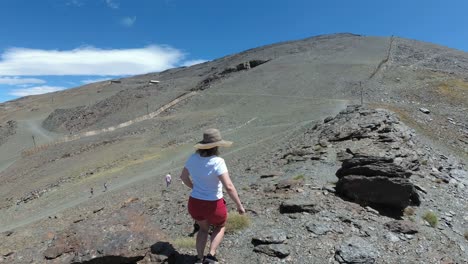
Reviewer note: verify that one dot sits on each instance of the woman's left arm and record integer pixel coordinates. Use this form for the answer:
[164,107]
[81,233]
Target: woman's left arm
[185,177]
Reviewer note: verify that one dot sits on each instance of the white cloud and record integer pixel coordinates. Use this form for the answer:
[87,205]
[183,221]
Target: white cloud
[112,4]
[35,90]
[128,21]
[192,62]
[20,81]
[88,61]
[88,81]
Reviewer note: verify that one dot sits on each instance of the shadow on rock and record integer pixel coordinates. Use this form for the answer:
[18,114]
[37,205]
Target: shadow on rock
[112,260]
[164,252]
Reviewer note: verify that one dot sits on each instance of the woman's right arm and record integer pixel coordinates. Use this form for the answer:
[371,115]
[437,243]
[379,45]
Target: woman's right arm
[232,192]
[185,177]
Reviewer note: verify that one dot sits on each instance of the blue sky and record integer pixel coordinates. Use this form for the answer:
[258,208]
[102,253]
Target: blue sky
[48,45]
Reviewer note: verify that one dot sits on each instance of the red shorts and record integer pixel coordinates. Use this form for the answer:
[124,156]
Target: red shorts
[214,212]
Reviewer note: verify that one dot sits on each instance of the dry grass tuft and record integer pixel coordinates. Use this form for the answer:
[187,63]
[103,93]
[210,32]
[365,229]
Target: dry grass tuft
[237,222]
[431,218]
[184,242]
[299,177]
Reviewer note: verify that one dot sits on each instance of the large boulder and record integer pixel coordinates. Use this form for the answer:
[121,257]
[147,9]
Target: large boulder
[376,181]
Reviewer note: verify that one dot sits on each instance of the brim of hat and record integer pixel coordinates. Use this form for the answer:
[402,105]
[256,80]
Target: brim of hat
[222,143]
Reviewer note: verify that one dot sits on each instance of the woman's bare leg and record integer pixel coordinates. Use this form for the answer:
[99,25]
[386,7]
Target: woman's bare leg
[216,238]
[202,238]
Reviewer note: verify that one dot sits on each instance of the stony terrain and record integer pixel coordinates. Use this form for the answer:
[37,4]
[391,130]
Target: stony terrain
[7,129]
[324,180]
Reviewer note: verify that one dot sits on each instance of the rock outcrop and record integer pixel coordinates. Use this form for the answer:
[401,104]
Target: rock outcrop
[376,181]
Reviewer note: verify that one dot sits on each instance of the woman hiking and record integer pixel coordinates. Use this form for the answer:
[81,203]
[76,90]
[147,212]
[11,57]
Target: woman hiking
[206,174]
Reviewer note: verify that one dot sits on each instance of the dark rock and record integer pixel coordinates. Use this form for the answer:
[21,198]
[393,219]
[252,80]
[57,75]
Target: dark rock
[424,110]
[328,119]
[272,236]
[356,250]
[289,184]
[393,192]
[290,207]
[419,188]
[402,226]
[98,210]
[270,174]
[361,160]
[376,181]
[274,250]
[371,166]
[375,169]
[7,233]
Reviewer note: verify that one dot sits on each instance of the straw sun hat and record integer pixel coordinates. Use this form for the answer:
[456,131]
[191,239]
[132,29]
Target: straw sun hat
[212,138]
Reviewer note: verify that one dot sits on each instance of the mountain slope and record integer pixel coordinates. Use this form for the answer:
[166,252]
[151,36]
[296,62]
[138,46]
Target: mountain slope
[261,99]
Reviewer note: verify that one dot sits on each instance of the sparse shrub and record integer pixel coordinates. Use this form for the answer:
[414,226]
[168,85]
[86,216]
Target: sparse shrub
[299,177]
[236,222]
[466,235]
[409,211]
[184,242]
[431,218]
[424,162]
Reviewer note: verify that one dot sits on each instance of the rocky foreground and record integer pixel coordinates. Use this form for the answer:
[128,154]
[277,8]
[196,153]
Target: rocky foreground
[360,187]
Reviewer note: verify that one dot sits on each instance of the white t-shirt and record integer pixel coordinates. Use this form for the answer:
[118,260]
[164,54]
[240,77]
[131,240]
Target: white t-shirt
[205,172]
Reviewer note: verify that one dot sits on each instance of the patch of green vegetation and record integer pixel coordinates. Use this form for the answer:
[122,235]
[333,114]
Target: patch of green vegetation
[237,222]
[466,235]
[299,177]
[184,242]
[431,218]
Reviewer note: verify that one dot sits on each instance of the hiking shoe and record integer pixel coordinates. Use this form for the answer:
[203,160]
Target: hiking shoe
[200,261]
[210,259]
